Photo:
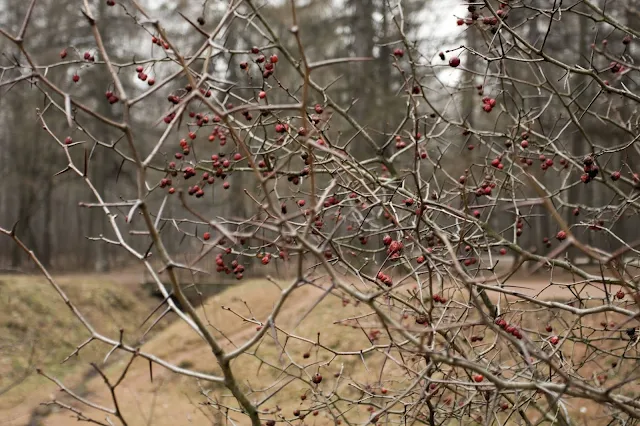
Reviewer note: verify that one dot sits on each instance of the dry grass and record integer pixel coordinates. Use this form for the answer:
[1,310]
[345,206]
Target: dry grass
[170,399]
[37,329]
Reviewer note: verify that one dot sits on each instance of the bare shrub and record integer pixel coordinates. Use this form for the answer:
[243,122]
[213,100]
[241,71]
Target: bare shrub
[423,209]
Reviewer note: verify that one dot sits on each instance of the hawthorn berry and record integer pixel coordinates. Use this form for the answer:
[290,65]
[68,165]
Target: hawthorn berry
[454,61]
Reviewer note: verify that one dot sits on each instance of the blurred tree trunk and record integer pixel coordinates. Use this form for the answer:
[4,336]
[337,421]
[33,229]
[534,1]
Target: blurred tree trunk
[45,253]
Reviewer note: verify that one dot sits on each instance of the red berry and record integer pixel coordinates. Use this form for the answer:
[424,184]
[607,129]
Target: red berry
[478,378]
[554,340]
[76,78]
[68,140]
[63,53]
[262,94]
[454,61]
[561,235]
[301,203]
[273,59]
[206,236]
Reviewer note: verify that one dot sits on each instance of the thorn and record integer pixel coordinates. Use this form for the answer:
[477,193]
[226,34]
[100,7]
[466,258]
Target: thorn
[66,169]
[119,170]
[86,163]
[13,229]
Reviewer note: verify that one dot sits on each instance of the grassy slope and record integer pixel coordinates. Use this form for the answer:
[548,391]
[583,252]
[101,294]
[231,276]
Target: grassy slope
[171,399]
[37,329]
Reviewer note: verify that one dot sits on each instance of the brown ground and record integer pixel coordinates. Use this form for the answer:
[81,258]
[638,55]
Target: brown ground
[172,400]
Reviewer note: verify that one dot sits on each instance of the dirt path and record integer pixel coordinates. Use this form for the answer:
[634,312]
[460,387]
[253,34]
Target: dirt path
[160,402]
